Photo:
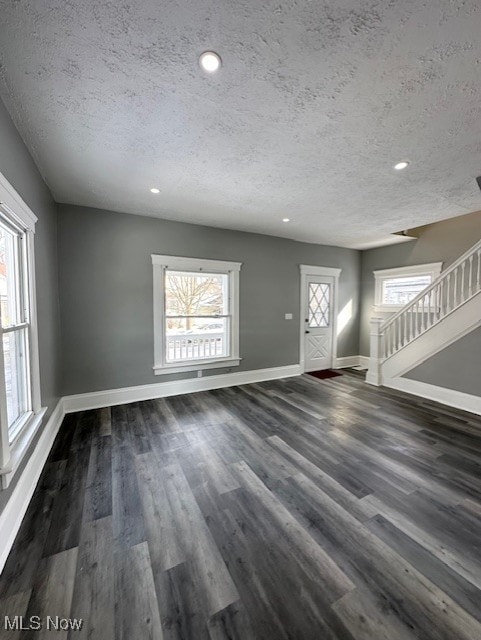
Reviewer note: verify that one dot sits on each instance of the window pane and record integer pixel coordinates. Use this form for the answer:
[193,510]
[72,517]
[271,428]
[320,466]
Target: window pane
[318,305]
[196,338]
[195,294]
[14,353]
[9,285]
[402,290]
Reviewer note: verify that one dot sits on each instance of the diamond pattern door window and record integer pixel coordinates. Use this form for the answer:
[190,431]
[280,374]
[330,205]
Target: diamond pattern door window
[319,297]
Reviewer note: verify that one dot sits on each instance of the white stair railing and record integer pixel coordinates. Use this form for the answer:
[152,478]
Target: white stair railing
[451,289]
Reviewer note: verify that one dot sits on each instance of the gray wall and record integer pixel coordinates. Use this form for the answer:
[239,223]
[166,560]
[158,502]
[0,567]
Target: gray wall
[457,367]
[17,166]
[106,293]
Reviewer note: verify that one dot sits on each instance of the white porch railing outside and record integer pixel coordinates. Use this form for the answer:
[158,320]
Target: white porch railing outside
[453,287]
[196,346]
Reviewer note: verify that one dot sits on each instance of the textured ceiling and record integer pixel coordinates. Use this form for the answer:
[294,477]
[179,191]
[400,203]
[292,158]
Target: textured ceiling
[313,105]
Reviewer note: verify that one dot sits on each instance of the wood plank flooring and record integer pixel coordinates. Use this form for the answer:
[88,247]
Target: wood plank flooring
[297,509]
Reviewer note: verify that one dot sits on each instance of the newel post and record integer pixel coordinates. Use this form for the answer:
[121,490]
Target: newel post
[373,375]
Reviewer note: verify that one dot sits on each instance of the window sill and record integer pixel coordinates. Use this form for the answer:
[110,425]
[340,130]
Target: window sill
[20,445]
[196,366]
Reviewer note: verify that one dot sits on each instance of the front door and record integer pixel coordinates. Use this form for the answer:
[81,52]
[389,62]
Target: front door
[318,322]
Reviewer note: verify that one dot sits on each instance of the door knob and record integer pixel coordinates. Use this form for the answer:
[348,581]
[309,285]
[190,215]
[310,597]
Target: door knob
[307,332]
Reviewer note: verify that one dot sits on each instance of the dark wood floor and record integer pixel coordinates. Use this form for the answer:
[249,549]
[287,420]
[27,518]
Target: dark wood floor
[296,509]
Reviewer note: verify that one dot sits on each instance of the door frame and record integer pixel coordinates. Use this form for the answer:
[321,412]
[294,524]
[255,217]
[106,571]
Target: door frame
[306,271]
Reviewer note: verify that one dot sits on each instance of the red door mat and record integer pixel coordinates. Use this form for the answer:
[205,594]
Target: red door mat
[322,375]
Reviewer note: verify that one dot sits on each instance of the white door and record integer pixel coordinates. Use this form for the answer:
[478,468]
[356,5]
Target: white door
[318,322]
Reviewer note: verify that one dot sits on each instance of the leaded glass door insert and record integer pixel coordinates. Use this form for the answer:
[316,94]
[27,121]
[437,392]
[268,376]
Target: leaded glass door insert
[319,304]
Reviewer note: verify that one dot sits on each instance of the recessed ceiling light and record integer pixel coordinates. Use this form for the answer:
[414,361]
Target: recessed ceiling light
[154,190]
[286,219]
[401,165]
[210,61]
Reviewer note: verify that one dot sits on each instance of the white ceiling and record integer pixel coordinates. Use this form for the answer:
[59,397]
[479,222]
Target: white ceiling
[315,102]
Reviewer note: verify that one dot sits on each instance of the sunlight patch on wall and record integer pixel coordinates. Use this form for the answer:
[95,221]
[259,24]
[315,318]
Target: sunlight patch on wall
[344,317]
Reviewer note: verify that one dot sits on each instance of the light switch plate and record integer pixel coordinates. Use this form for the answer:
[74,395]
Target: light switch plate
[288,316]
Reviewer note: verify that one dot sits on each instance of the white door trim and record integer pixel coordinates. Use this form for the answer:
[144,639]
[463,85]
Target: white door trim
[311,270]
[307,270]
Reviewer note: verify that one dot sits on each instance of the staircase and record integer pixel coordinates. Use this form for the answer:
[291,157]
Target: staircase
[438,316]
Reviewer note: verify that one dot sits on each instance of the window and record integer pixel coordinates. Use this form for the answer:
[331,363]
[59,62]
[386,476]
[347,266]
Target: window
[196,323]
[396,287]
[20,410]
[14,319]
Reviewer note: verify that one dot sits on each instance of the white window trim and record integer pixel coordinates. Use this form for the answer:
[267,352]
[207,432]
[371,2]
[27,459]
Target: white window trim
[432,269]
[11,454]
[162,262]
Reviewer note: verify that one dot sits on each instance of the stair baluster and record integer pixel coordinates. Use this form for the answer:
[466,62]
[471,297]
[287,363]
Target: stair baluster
[478,279]
[470,277]
[455,288]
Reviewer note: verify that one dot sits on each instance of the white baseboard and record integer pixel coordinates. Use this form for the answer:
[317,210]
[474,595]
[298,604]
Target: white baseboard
[456,399]
[347,361]
[14,511]
[108,398]
[351,361]
[364,362]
